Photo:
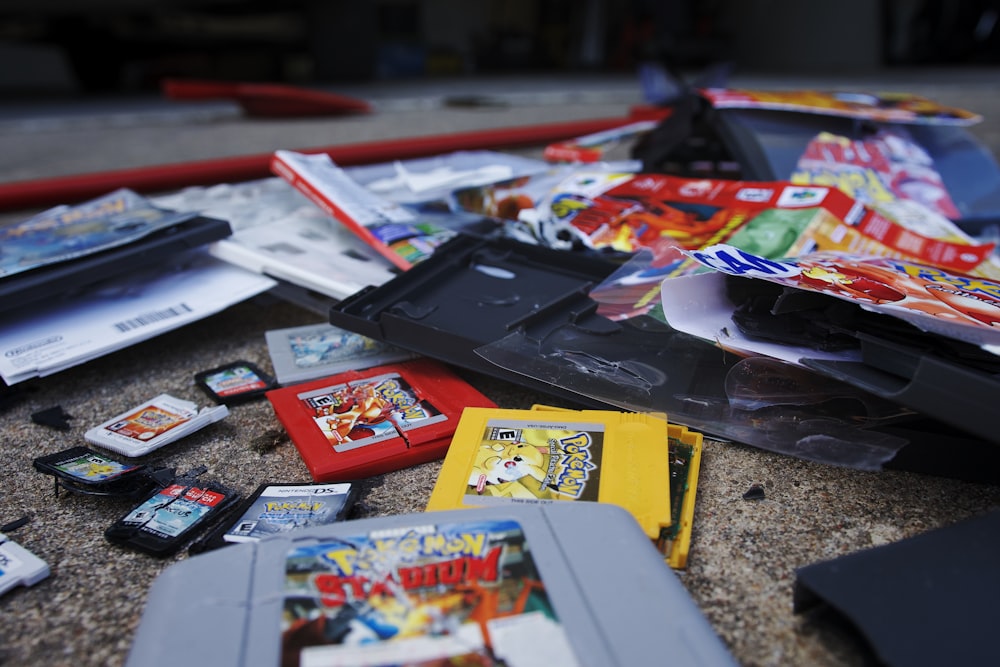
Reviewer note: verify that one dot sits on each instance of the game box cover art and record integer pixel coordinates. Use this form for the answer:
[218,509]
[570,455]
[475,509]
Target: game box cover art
[451,594]
[66,232]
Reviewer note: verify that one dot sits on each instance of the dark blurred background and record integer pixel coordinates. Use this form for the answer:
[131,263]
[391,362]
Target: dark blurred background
[84,46]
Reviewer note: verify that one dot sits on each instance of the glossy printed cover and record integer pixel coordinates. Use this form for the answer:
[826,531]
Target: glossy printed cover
[395,232]
[953,305]
[881,107]
[68,232]
[66,254]
[627,212]
[876,169]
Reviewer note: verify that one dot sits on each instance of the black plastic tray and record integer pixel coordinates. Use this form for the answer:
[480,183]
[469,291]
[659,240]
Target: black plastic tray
[472,292]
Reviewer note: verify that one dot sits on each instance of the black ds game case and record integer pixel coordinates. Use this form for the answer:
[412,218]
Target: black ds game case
[51,281]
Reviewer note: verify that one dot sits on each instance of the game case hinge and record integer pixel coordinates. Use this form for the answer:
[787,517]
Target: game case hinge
[581,310]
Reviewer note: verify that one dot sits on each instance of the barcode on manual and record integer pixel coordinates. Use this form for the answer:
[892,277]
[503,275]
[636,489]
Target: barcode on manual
[152,317]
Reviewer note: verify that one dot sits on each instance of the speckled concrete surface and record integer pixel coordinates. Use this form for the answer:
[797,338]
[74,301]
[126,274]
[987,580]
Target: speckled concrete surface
[744,553]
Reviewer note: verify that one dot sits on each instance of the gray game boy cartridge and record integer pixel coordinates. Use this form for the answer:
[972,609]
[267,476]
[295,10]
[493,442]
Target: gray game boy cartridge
[565,584]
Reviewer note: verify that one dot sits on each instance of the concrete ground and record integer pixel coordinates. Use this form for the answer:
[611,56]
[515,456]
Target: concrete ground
[744,553]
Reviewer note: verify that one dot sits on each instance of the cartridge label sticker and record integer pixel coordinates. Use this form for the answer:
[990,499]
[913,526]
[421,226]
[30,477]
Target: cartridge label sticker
[450,594]
[536,461]
[235,380]
[329,345]
[147,423]
[9,563]
[365,412]
[173,510]
[93,468]
[880,168]
[280,508]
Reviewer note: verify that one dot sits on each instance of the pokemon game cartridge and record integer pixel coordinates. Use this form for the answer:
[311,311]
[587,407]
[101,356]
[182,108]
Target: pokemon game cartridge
[362,423]
[18,566]
[279,508]
[507,457]
[684,452]
[558,585]
[153,424]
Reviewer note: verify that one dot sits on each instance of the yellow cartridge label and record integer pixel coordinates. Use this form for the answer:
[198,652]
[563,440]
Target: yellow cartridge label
[536,460]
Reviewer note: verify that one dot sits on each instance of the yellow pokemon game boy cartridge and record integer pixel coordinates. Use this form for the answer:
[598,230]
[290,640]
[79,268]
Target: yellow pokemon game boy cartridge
[500,456]
[684,452]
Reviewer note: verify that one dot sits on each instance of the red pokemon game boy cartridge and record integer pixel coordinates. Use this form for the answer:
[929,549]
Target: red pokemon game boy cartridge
[363,423]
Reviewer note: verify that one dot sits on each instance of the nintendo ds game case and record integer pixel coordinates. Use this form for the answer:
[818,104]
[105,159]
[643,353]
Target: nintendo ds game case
[521,586]
[471,292]
[71,247]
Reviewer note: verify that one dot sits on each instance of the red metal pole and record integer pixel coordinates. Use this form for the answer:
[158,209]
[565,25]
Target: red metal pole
[71,189]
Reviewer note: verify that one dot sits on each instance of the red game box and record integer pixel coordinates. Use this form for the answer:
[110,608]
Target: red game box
[362,423]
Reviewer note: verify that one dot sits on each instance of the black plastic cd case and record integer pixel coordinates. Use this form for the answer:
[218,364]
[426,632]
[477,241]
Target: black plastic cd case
[472,292]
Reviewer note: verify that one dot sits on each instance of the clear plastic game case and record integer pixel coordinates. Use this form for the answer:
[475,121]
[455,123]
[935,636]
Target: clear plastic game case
[565,584]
